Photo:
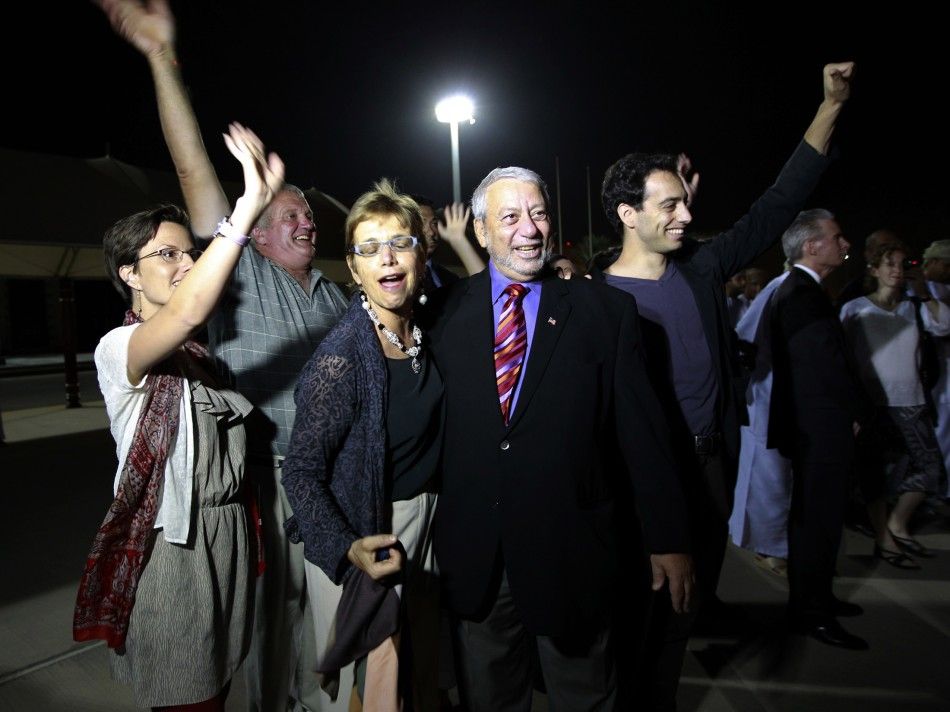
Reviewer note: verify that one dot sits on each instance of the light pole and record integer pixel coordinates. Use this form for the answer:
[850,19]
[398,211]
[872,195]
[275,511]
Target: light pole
[452,111]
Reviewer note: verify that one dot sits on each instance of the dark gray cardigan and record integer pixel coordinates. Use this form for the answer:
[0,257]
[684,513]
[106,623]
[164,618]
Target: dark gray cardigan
[334,474]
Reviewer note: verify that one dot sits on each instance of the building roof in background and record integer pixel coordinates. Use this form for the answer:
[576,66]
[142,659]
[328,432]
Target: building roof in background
[57,208]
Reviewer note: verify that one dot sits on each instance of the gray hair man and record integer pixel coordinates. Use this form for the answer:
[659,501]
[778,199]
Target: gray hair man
[539,420]
[816,406]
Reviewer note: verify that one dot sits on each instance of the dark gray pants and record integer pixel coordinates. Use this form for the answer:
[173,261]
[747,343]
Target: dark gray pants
[495,665]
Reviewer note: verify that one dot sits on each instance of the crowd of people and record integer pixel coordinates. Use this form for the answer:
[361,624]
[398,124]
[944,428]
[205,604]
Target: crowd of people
[528,473]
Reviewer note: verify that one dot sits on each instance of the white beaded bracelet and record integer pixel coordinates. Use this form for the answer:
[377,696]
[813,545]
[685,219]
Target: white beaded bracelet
[226,229]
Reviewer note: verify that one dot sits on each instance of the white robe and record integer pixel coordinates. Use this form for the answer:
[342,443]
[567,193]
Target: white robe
[764,484]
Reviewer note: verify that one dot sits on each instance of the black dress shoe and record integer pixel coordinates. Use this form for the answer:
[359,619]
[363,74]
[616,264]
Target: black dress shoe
[846,609]
[830,632]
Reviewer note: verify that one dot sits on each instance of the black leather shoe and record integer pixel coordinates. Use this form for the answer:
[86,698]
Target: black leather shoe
[846,609]
[831,633]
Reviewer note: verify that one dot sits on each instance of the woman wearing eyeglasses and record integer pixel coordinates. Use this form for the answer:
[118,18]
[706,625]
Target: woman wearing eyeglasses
[360,469]
[167,582]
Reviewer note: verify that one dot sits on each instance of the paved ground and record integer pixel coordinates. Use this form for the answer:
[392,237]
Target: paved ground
[57,468]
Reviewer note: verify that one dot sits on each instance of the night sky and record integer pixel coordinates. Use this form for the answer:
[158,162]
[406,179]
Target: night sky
[346,95]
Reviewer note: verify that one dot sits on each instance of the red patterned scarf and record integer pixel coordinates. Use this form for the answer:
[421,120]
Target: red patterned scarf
[124,540]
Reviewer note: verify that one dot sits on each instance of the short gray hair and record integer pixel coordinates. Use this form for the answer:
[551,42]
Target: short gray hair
[267,217]
[803,228]
[525,175]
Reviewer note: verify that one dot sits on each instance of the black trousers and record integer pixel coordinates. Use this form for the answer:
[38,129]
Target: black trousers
[709,491]
[821,469]
[816,519]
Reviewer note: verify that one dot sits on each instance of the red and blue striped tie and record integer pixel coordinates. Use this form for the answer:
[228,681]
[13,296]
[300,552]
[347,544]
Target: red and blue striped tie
[511,340]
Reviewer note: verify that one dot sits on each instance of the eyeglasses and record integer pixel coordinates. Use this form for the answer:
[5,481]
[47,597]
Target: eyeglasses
[400,243]
[173,254]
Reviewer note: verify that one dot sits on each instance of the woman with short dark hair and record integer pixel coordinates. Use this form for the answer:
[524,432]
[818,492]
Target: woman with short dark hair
[167,582]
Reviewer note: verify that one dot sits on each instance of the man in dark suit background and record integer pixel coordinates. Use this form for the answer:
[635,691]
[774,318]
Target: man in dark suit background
[815,409]
[524,533]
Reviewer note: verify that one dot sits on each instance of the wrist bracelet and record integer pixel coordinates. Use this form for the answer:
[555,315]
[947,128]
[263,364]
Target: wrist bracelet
[226,229]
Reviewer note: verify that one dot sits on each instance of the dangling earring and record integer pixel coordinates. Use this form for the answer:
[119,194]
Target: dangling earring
[422,297]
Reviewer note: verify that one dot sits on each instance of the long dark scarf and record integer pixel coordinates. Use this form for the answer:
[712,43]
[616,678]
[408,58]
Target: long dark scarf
[124,540]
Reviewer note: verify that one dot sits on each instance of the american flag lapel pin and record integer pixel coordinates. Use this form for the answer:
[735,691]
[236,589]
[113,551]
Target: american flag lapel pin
[552,321]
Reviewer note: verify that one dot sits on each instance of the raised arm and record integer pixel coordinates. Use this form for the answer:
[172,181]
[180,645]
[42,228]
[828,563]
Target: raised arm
[192,301]
[150,28]
[836,81]
[453,232]
[774,211]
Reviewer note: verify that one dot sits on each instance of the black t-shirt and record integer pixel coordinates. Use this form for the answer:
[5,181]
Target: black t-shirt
[413,426]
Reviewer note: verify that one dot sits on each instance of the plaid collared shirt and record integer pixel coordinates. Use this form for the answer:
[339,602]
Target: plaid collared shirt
[262,335]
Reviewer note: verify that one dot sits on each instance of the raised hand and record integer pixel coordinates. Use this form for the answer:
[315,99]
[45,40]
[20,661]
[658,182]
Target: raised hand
[456,220]
[836,83]
[148,26]
[263,174]
[836,80]
[689,176]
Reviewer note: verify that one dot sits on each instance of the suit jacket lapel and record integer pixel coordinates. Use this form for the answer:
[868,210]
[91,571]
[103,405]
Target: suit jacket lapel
[553,312]
[475,333]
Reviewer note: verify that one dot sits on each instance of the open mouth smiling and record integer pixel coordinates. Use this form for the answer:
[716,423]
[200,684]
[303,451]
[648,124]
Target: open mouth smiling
[392,282]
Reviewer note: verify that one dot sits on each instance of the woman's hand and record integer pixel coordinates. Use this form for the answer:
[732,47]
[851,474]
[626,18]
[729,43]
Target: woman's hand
[363,554]
[263,175]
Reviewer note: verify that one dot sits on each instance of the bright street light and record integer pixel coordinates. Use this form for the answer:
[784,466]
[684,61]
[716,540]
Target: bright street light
[452,111]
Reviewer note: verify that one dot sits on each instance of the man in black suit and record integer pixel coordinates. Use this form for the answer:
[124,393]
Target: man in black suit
[524,532]
[815,409]
[690,342]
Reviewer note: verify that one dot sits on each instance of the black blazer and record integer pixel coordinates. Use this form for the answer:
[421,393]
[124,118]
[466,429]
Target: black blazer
[540,492]
[815,392]
[706,267]
[446,277]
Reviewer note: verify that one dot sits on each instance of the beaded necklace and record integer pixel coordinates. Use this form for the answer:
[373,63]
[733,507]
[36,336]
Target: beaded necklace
[413,351]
